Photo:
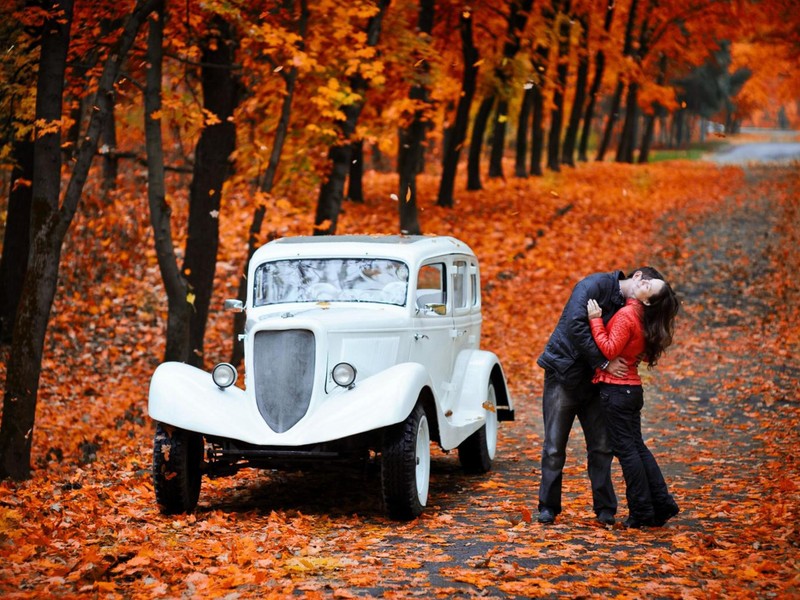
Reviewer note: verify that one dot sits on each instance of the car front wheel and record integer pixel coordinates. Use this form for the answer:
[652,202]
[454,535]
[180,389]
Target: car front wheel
[477,452]
[406,465]
[177,460]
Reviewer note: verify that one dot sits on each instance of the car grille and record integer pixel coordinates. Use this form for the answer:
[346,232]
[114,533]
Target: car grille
[283,363]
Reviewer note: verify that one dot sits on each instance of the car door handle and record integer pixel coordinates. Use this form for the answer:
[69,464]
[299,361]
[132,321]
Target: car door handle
[454,333]
[420,336]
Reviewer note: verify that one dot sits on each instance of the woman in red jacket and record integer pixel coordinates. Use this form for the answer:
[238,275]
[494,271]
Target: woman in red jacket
[639,331]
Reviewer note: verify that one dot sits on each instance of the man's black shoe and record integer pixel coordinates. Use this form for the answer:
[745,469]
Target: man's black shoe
[547,516]
[663,516]
[606,517]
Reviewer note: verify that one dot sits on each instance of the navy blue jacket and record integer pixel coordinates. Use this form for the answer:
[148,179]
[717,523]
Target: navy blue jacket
[571,352]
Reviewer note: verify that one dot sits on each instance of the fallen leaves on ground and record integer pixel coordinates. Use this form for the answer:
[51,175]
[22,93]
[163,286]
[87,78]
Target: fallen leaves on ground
[721,412]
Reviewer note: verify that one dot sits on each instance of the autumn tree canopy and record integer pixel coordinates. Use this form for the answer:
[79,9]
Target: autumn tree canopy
[283,104]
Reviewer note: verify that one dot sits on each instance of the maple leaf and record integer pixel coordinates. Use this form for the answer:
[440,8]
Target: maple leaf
[527,517]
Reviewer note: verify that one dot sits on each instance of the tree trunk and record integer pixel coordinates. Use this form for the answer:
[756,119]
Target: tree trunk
[412,138]
[407,166]
[678,127]
[630,127]
[329,202]
[476,143]
[582,77]
[613,114]
[599,68]
[520,164]
[540,60]
[17,233]
[211,169]
[177,289]
[663,128]
[498,139]
[537,131]
[670,126]
[557,114]
[647,138]
[281,130]
[627,140]
[16,242]
[47,230]
[109,134]
[517,18]
[355,179]
[458,133]
[49,224]
[80,105]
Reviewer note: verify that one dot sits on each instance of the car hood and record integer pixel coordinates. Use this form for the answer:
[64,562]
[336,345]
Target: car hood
[333,317]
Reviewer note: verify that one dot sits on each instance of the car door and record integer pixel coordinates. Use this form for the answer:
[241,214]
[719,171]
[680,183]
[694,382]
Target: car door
[464,282]
[432,343]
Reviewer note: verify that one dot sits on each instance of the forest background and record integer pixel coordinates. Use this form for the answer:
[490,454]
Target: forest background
[148,148]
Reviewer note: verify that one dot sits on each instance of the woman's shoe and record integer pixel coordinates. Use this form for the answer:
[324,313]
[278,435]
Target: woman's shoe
[635,523]
[606,517]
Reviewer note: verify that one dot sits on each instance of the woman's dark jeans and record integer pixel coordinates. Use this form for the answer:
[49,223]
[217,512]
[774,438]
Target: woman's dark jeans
[646,491]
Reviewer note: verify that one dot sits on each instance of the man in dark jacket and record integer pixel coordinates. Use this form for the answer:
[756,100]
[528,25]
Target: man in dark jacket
[569,361]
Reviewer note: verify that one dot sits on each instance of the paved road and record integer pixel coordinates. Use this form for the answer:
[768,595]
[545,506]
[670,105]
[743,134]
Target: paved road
[758,152]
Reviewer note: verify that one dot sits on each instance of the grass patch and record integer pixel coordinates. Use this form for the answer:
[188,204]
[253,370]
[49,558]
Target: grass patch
[692,152]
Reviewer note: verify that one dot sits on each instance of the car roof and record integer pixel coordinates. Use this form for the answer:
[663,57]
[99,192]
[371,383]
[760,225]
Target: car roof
[410,248]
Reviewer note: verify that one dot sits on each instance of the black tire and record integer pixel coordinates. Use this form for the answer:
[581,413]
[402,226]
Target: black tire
[406,466]
[477,452]
[177,474]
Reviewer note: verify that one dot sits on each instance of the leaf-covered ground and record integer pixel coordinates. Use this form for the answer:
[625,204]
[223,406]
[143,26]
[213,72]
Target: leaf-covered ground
[722,413]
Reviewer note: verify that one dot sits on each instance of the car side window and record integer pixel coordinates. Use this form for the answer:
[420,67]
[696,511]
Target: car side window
[474,283]
[460,284]
[431,285]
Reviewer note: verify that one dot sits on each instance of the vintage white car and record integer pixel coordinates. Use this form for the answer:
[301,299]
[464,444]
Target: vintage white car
[357,348]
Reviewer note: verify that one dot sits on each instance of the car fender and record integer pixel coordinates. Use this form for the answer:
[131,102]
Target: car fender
[186,397]
[475,368]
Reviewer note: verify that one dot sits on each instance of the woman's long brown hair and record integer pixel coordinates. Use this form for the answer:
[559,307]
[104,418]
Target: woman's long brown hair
[659,318]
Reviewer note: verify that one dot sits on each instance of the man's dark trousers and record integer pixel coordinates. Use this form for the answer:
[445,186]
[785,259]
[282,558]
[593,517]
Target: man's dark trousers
[560,406]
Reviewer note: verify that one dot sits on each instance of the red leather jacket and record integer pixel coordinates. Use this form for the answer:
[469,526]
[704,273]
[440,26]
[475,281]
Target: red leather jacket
[623,336]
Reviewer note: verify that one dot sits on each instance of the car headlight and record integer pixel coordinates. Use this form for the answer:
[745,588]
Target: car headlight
[224,375]
[344,374]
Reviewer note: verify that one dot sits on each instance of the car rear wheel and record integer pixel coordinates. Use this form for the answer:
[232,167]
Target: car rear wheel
[477,452]
[177,460]
[406,465]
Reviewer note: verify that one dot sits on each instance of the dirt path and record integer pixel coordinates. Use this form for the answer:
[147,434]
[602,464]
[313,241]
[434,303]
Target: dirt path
[721,415]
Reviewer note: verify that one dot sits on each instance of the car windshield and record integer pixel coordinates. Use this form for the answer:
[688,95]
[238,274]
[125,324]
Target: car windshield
[331,280]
